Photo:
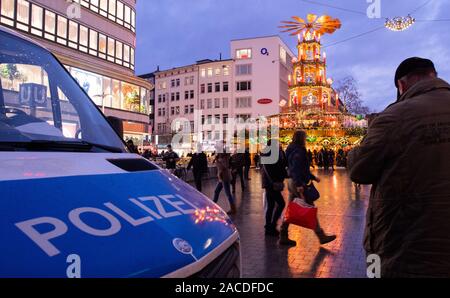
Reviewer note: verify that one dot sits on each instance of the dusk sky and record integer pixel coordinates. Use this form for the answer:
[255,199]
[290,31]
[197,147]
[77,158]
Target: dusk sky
[174,33]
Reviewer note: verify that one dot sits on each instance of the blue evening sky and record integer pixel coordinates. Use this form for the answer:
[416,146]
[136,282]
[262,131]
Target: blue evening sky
[173,33]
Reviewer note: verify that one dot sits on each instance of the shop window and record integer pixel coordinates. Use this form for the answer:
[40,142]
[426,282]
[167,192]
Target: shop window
[244,54]
[131,97]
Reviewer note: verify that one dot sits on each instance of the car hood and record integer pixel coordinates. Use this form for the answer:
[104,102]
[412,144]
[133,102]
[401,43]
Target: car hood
[103,222]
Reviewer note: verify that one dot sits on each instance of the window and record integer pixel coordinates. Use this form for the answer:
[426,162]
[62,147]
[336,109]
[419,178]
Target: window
[283,55]
[178,82]
[102,46]
[217,71]
[226,70]
[244,54]
[186,109]
[93,42]
[244,86]
[225,118]
[172,110]
[210,72]
[177,110]
[209,103]
[62,30]
[202,88]
[225,87]
[120,11]
[73,35]
[243,117]
[23,14]
[172,83]
[178,96]
[217,119]
[50,25]
[225,103]
[203,72]
[243,69]
[191,109]
[209,121]
[37,24]
[217,87]
[186,95]
[7,12]
[217,103]
[112,9]
[119,52]
[159,98]
[84,40]
[172,96]
[243,102]
[191,93]
[202,104]
[210,88]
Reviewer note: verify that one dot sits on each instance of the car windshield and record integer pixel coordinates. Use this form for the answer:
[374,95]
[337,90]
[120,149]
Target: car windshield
[42,107]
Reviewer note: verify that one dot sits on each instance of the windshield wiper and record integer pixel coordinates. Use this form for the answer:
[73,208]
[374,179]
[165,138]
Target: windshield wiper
[43,145]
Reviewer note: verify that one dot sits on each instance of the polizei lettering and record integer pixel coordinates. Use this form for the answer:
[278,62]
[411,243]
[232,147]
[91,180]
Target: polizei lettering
[154,207]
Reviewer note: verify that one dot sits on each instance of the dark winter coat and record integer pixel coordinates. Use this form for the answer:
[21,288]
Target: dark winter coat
[406,157]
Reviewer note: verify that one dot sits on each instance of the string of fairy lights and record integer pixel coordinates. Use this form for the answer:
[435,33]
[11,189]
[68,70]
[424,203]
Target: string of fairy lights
[396,24]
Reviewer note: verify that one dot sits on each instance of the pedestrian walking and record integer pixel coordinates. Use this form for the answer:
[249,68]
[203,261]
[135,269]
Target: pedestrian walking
[199,165]
[405,156]
[222,161]
[237,169]
[273,176]
[247,164]
[171,158]
[256,160]
[300,177]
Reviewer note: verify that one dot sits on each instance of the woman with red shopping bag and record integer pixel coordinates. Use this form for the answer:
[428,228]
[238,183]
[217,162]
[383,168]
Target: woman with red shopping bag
[300,187]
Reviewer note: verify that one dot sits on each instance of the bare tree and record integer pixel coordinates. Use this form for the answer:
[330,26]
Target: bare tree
[351,97]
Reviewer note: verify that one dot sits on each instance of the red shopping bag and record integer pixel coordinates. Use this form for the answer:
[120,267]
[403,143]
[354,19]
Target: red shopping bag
[301,214]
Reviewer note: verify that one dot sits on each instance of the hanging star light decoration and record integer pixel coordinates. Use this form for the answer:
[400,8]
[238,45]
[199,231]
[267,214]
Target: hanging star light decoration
[399,23]
[313,24]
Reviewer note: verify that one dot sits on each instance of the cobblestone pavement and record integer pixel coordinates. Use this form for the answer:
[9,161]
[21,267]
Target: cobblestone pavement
[342,210]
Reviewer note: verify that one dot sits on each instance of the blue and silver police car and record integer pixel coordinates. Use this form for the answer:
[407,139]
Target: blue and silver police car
[75,203]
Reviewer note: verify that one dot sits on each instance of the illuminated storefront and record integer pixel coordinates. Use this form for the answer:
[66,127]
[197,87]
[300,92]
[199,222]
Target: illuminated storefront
[98,49]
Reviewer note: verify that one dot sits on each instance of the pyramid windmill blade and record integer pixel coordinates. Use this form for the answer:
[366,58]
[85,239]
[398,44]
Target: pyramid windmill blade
[290,22]
[298,19]
[311,18]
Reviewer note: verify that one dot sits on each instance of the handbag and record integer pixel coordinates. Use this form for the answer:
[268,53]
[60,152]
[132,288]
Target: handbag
[311,193]
[302,214]
[277,186]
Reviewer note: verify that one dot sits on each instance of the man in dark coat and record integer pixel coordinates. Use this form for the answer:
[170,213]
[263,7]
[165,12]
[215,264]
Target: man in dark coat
[199,165]
[405,156]
[237,164]
[247,164]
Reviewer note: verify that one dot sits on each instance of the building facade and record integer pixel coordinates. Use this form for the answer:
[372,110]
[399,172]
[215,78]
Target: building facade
[253,83]
[96,41]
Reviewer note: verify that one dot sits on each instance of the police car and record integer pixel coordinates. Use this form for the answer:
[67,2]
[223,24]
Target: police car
[75,203]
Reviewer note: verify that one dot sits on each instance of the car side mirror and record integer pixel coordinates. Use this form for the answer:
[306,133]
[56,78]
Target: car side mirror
[116,124]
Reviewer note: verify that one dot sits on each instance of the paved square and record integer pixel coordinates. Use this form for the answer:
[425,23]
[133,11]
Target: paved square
[342,210]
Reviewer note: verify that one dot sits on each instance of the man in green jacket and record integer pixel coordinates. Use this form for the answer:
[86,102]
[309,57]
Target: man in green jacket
[406,158]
